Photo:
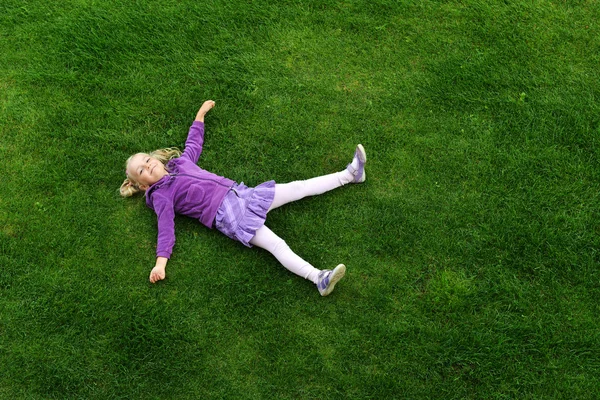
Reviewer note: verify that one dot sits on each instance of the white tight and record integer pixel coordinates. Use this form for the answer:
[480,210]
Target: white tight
[266,239]
[286,193]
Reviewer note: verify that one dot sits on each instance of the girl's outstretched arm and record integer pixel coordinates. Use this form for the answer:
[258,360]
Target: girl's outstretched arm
[158,272]
[195,138]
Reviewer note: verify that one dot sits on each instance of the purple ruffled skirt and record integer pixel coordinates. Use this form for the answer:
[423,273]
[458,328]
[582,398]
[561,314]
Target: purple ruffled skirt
[244,210]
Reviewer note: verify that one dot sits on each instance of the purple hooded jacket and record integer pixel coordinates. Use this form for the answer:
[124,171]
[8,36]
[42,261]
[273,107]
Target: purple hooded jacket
[188,190]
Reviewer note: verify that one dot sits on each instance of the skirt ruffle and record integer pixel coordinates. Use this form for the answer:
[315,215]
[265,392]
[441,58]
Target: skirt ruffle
[244,210]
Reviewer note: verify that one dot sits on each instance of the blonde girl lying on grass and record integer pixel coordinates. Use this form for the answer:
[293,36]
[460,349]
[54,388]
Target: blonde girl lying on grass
[174,184]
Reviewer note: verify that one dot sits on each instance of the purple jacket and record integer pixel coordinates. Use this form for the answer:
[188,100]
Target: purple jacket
[188,190]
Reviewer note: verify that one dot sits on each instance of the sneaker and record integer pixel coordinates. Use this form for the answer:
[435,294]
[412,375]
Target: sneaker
[328,278]
[357,167]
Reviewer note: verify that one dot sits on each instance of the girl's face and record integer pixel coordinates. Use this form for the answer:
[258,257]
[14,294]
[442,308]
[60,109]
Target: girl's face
[145,170]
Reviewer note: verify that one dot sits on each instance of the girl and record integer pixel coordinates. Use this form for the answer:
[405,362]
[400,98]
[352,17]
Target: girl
[173,183]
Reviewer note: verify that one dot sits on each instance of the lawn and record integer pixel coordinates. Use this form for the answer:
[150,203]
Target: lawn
[473,248]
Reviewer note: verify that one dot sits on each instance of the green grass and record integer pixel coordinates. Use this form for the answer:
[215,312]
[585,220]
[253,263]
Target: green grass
[473,249]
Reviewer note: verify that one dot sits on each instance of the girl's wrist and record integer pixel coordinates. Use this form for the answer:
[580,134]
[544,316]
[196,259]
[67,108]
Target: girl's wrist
[161,262]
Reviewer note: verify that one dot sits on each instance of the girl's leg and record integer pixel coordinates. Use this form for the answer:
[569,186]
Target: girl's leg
[288,192]
[325,280]
[266,239]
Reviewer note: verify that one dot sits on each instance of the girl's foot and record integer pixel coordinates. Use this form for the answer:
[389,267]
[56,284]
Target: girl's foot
[357,167]
[328,278]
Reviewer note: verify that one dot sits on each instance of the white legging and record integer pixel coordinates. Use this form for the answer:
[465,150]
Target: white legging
[286,193]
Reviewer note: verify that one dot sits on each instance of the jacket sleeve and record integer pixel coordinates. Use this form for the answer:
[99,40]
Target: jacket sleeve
[194,142]
[166,225]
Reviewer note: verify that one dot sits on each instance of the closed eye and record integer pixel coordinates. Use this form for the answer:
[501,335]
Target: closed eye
[142,169]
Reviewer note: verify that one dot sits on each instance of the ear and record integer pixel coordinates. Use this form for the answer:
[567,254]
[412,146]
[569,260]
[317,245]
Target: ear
[143,187]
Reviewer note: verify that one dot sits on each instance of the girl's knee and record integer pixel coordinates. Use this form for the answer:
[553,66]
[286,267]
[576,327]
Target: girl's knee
[280,246]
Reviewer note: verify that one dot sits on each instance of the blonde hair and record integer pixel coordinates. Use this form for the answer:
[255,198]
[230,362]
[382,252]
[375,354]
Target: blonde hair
[130,186]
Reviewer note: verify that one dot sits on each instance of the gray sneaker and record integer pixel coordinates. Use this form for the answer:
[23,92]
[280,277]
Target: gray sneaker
[358,172]
[328,278]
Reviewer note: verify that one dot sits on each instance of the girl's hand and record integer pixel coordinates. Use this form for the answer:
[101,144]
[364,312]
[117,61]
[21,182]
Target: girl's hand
[158,272]
[204,109]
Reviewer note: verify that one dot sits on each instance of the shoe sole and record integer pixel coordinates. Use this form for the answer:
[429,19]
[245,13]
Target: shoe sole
[363,158]
[337,274]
